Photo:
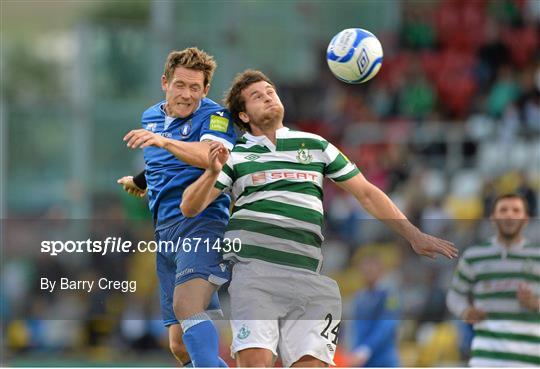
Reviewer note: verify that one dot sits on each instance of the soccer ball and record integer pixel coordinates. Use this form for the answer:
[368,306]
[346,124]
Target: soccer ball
[354,55]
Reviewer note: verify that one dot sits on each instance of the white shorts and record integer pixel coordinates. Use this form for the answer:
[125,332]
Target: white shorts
[293,312]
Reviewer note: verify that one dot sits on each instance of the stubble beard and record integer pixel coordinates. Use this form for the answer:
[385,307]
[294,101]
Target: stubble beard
[510,235]
[271,119]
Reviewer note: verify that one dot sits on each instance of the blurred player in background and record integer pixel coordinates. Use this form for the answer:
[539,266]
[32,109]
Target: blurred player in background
[175,137]
[496,288]
[278,298]
[376,319]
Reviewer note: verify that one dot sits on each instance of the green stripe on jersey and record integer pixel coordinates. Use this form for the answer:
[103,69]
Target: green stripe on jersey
[306,188]
[219,185]
[347,176]
[496,295]
[228,171]
[256,149]
[463,277]
[507,336]
[507,275]
[278,257]
[506,356]
[339,163]
[286,210]
[292,234]
[498,256]
[294,144]
[524,317]
[252,167]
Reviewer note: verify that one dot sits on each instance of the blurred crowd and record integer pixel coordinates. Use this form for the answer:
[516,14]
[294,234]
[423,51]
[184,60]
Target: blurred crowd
[451,121]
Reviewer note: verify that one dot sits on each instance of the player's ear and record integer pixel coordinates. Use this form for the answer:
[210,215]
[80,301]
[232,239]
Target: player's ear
[244,117]
[206,89]
[527,218]
[164,83]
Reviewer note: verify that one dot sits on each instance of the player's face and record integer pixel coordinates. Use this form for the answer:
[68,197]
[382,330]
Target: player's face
[184,91]
[509,217]
[263,106]
[371,269]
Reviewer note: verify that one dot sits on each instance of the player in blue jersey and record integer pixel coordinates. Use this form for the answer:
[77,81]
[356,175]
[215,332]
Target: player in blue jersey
[176,135]
[376,319]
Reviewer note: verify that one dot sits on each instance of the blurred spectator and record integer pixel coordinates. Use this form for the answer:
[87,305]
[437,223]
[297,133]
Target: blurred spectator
[504,91]
[435,219]
[525,189]
[418,31]
[417,96]
[376,319]
[491,55]
[489,194]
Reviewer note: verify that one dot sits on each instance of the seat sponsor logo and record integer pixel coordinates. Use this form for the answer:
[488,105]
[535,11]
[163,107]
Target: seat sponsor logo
[263,177]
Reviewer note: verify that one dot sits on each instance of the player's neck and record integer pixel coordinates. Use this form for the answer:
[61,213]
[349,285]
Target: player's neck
[167,110]
[268,131]
[509,241]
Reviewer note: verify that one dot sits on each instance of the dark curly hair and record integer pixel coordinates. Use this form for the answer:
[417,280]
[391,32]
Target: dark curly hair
[233,98]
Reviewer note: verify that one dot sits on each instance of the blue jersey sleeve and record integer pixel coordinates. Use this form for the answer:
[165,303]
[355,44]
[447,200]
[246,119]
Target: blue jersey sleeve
[218,126]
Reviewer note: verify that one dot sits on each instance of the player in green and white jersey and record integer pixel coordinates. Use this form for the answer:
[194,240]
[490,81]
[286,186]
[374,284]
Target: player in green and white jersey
[496,287]
[279,301]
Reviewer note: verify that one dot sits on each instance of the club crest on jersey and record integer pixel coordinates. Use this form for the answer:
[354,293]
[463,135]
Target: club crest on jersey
[243,333]
[151,127]
[303,155]
[185,130]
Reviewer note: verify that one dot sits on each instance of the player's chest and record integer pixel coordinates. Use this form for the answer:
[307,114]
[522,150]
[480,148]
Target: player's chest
[182,130]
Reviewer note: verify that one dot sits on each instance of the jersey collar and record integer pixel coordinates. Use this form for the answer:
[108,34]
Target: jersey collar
[505,249]
[263,140]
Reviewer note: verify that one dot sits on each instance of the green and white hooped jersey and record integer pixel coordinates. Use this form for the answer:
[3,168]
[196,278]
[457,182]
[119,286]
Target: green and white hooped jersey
[490,275]
[278,192]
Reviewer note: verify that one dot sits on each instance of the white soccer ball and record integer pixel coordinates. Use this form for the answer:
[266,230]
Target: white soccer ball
[354,55]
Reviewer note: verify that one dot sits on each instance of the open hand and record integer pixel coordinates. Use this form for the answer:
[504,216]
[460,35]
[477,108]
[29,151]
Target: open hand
[426,245]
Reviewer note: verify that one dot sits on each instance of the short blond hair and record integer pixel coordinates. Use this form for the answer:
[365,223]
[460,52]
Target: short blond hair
[191,58]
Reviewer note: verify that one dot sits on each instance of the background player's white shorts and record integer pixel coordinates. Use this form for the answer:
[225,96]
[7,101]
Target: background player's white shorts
[293,312]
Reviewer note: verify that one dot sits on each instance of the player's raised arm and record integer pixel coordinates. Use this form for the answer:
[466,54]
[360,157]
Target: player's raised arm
[203,191]
[381,207]
[192,153]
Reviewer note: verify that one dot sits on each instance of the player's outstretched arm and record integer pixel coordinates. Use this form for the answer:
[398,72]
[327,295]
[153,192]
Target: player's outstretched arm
[192,153]
[381,207]
[202,192]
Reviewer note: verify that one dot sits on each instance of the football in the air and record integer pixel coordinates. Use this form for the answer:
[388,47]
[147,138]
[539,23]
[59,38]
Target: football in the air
[354,55]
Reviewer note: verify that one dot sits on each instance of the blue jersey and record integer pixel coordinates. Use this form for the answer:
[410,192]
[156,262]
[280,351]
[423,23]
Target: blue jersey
[167,176]
[376,319]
